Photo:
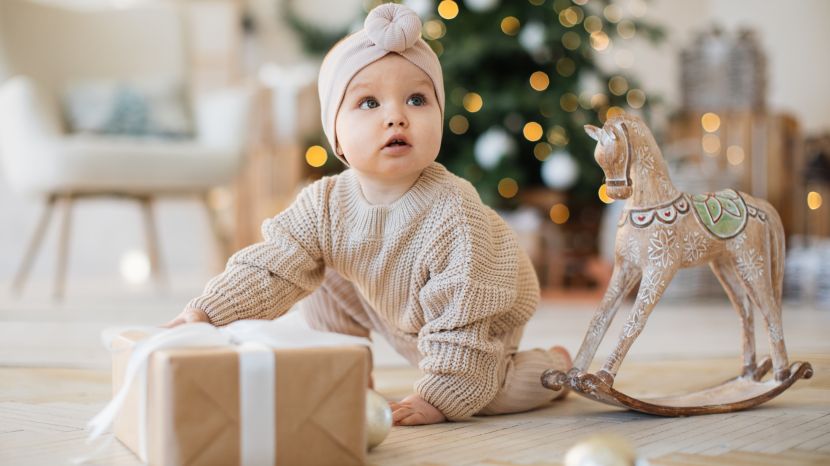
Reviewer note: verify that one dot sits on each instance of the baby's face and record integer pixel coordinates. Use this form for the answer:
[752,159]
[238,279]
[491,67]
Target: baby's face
[389,124]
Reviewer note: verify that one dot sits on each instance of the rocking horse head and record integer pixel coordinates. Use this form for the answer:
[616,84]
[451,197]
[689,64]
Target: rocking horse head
[626,152]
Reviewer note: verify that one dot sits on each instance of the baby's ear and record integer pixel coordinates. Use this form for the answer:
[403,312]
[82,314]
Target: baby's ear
[594,132]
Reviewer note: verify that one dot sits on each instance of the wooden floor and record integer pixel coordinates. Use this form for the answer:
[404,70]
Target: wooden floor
[53,379]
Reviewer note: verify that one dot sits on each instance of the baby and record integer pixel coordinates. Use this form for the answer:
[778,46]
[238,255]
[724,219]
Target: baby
[396,244]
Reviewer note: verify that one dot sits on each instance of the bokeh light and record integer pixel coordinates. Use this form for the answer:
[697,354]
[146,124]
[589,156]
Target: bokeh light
[571,40]
[434,29]
[316,156]
[603,194]
[448,9]
[614,111]
[735,155]
[612,13]
[508,188]
[473,102]
[539,81]
[636,98]
[710,122]
[710,143]
[600,41]
[559,213]
[533,131]
[459,124]
[542,151]
[558,136]
[592,24]
[814,200]
[618,85]
[510,25]
[626,29]
[569,102]
[565,66]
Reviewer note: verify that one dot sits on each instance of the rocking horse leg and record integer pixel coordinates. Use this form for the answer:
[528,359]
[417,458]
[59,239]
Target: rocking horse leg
[652,286]
[622,281]
[731,283]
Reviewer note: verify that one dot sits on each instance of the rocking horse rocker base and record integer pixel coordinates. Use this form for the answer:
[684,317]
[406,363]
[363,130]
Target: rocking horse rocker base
[662,230]
[732,395]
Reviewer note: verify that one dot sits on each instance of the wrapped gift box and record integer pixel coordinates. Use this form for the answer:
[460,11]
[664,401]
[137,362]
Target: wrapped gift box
[193,406]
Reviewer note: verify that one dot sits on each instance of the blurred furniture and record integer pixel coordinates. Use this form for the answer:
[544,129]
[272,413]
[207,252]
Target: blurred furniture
[160,39]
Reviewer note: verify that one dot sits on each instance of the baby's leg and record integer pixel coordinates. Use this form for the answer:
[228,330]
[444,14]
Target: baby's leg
[336,307]
[522,389]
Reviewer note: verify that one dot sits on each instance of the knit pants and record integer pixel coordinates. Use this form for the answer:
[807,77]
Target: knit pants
[338,307]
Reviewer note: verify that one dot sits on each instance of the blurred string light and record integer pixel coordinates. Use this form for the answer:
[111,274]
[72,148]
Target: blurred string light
[510,25]
[618,85]
[448,9]
[585,100]
[473,102]
[135,267]
[565,67]
[600,41]
[559,214]
[539,81]
[592,24]
[533,131]
[571,40]
[558,136]
[570,17]
[626,29]
[612,13]
[459,124]
[569,102]
[710,143]
[603,194]
[508,188]
[636,98]
[434,29]
[614,111]
[599,100]
[814,200]
[537,2]
[316,156]
[710,122]
[542,151]
[735,155]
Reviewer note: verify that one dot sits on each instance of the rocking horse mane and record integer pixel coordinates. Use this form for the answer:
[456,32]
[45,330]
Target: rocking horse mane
[646,165]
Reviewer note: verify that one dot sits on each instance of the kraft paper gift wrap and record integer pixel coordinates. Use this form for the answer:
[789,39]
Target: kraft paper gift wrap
[195,414]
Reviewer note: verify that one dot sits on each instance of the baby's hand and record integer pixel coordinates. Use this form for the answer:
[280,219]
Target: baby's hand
[414,411]
[187,316]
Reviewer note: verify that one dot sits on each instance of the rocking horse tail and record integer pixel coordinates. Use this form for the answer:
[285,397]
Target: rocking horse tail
[775,232]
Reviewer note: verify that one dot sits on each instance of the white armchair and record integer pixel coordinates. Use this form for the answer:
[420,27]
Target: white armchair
[39,158]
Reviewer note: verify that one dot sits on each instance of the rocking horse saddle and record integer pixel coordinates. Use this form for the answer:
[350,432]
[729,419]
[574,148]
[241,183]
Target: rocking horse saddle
[723,213]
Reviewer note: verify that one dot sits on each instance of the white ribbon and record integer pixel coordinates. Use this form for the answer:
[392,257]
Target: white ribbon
[255,340]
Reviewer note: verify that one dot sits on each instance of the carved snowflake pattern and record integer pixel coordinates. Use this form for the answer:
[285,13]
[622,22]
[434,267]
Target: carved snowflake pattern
[661,249]
[750,265]
[631,250]
[646,159]
[695,246]
[651,287]
[737,243]
[775,332]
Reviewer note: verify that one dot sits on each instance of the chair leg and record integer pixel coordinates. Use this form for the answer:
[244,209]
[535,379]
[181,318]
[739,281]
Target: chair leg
[34,246]
[156,266]
[63,246]
[222,243]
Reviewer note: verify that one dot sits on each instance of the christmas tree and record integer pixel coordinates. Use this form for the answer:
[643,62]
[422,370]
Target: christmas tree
[521,79]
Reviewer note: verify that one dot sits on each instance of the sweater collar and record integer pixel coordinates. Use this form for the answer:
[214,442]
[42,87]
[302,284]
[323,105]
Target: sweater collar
[381,220]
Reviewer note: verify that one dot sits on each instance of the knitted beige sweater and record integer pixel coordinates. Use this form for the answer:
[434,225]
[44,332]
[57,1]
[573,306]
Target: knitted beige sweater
[437,265]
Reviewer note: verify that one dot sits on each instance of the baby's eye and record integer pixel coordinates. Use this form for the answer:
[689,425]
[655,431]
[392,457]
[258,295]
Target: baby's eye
[368,103]
[417,100]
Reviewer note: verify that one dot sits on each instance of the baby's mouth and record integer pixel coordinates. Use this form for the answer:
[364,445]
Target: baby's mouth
[396,141]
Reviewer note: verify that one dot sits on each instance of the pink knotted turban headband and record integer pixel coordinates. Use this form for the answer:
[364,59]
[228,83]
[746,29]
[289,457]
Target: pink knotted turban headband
[389,28]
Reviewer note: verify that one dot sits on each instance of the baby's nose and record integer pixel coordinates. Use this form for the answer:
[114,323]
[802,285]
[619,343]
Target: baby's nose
[396,120]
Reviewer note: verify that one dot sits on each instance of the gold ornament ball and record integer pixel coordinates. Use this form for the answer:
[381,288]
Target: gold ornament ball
[601,450]
[378,419]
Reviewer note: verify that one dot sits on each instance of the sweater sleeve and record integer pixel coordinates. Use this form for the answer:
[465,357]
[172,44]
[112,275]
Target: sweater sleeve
[264,280]
[473,283]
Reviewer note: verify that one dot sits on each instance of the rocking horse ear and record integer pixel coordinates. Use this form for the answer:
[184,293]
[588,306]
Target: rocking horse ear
[594,132]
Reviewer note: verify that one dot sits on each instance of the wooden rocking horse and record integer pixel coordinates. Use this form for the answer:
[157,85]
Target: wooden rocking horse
[662,230]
